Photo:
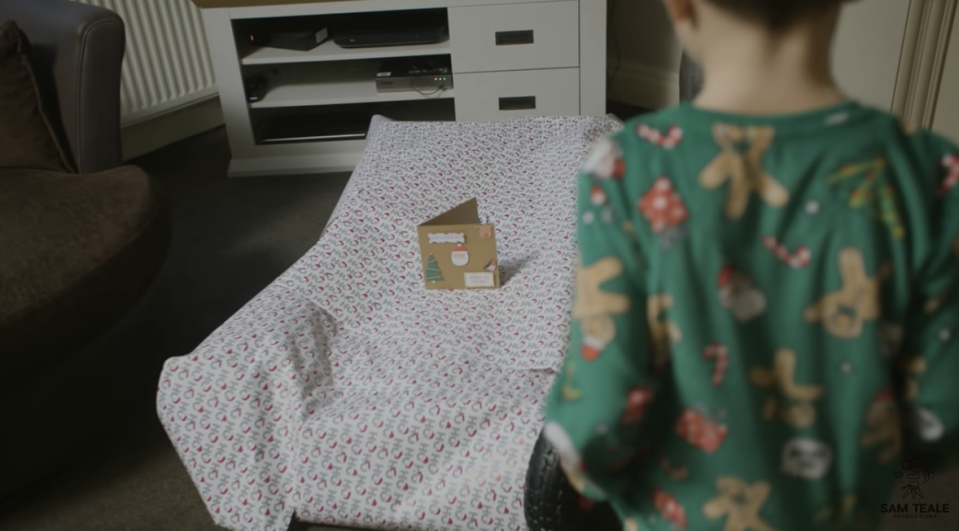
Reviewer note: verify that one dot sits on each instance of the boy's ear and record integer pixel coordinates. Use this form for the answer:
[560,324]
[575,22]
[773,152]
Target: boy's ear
[679,10]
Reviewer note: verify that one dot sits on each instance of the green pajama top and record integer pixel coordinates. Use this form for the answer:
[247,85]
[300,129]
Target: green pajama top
[766,323]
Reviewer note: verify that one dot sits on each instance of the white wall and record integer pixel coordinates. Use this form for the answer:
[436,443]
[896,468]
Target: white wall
[867,48]
[946,119]
[866,53]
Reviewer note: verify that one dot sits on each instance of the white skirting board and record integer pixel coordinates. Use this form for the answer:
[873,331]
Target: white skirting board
[643,86]
[301,165]
[160,130]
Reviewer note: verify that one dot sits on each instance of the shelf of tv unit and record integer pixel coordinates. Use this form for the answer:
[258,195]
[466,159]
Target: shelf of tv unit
[330,51]
[334,84]
[570,42]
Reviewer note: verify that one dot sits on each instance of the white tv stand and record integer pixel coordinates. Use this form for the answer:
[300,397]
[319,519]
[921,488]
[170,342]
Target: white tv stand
[557,69]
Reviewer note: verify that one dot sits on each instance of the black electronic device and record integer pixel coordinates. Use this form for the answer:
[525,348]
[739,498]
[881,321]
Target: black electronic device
[426,75]
[394,37]
[390,28]
[289,33]
[256,87]
[303,41]
[316,127]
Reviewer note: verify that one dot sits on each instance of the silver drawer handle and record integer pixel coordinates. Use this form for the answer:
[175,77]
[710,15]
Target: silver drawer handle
[509,38]
[517,104]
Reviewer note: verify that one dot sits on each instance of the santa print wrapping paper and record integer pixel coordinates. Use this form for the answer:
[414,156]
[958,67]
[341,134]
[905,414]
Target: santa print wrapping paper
[348,394]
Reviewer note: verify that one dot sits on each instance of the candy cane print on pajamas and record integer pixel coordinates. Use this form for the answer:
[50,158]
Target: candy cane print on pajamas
[672,138]
[800,258]
[718,353]
[677,472]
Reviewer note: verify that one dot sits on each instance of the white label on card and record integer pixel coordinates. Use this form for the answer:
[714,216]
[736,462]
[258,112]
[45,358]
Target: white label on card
[448,237]
[479,280]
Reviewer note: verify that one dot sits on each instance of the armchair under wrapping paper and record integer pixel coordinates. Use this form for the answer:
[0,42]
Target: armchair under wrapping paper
[81,236]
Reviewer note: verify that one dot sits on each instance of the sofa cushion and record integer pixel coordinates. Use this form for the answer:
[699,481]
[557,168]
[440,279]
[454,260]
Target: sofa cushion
[27,136]
[78,251]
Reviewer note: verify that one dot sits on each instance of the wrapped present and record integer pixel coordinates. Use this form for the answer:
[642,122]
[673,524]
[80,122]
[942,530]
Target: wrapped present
[636,403]
[701,430]
[670,508]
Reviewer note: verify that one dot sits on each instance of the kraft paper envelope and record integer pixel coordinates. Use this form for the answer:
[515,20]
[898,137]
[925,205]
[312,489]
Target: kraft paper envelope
[459,252]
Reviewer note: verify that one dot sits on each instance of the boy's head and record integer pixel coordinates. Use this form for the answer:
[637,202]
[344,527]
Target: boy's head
[692,17]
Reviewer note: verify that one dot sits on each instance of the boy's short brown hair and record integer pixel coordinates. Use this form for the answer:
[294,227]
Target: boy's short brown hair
[776,14]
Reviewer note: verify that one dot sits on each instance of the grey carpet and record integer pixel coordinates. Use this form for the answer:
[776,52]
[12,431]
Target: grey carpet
[231,237]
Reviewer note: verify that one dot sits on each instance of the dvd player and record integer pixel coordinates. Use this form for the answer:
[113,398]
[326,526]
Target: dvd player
[390,28]
[421,74]
[395,37]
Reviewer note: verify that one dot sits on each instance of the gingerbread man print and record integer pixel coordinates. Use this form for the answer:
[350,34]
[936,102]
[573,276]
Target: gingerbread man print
[797,410]
[914,366]
[883,426]
[740,503]
[662,333]
[843,313]
[740,163]
[594,308]
[848,516]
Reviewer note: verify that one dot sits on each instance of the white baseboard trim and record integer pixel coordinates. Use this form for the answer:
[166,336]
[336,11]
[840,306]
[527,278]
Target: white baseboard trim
[643,86]
[174,105]
[296,165]
[149,135]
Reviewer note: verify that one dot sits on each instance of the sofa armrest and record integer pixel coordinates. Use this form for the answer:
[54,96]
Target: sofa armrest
[77,54]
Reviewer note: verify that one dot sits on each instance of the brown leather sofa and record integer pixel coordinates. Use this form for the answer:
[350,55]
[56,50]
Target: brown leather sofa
[82,236]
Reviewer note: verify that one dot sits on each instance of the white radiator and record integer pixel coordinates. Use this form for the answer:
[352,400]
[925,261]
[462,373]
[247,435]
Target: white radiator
[167,64]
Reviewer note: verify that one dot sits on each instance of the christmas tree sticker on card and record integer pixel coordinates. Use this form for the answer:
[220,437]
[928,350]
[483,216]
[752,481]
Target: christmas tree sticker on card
[459,252]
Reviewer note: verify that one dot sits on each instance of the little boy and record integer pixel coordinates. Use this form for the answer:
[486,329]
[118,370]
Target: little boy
[766,322]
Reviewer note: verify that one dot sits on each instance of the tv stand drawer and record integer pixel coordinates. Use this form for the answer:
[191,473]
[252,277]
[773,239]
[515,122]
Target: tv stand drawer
[494,38]
[492,96]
